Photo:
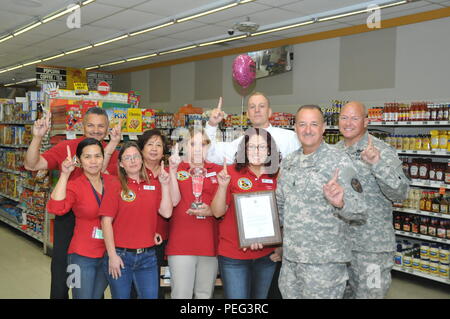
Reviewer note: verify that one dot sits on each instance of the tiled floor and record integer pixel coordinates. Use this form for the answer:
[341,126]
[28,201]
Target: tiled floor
[25,273]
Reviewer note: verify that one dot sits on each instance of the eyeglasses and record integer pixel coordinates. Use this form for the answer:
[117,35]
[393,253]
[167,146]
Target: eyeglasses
[261,147]
[134,157]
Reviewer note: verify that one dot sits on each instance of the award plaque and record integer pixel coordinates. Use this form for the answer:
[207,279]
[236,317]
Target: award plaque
[257,218]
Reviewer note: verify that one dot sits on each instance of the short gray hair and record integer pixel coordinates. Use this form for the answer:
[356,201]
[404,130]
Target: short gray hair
[310,107]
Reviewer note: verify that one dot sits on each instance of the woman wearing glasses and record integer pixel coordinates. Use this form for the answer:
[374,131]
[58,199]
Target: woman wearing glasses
[129,226]
[245,273]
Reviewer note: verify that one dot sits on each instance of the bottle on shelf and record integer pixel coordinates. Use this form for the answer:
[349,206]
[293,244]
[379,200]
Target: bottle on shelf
[443,205]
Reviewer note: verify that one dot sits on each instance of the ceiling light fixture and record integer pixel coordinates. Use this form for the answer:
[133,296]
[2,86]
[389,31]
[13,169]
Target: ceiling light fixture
[152,28]
[56,15]
[32,26]
[283,28]
[201,14]
[222,40]
[78,50]
[111,40]
[92,67]
[32,62]
[178,50]
[343,15]
[6,38]
[112,63]
[142,57]
[54,57]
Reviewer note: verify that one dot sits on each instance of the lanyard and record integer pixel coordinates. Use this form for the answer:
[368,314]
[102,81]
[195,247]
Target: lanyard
[99,200]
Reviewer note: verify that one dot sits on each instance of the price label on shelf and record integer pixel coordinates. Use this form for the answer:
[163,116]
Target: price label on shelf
[133,137]
[71,135]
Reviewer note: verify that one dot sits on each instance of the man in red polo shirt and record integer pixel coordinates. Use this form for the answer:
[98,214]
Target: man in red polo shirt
[95,125]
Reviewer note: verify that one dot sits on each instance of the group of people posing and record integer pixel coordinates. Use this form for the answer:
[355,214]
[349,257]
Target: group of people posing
[119,213]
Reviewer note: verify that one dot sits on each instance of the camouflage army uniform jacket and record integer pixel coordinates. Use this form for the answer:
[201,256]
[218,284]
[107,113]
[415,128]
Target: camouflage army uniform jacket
[382,183]
[314,231]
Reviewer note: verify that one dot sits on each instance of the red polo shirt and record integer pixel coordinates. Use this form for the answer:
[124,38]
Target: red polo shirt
[187,234]
[134,216]
[162,224]
[58,153]
[81,199]
[244,181]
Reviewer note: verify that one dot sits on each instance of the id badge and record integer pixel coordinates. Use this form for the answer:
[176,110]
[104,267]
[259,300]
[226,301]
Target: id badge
[97,233]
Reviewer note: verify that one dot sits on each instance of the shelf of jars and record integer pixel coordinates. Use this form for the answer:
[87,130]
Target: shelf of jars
[423,237]
[421,212]
[420,273]
[429,183]
[409,123]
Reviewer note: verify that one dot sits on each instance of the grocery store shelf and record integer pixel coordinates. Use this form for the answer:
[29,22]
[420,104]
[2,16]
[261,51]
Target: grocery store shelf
[12,171]
[7,219]
[16,199]
[14,145]
[433,153]
[421,212]
[17,123]
[423,237]
[428,183]
[414,272]
[409,123]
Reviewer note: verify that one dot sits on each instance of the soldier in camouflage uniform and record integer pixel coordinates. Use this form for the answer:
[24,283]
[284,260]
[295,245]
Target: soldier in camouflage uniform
[316,200]
[383,180]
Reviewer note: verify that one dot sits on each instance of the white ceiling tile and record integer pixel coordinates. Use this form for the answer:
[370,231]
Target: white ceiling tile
[278,3]
[178,27]
[50,29]
[235,14]
[96,11]
[171,7]
[11,21]
[90,33]
[199,34]
[122,3]
[314,6]
[27,7]
[128,19]
[159,43]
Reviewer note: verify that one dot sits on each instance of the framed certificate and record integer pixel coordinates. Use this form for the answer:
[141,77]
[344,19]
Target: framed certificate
[257,218]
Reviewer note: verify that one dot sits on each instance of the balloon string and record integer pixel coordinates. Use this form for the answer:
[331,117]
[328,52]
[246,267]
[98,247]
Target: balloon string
[242,110]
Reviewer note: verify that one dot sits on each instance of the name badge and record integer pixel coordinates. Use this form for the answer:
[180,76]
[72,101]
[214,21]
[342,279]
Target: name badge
[149,187]
[267,181]
[211,174]
[97,233]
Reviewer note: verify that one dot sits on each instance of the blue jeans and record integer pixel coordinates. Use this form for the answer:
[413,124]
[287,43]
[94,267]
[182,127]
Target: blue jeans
[87,277]
[244,279]
[140,269]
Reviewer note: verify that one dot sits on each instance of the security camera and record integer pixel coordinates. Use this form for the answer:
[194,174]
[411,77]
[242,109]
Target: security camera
[230,31]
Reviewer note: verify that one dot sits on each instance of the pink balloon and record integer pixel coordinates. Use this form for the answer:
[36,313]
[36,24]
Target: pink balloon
[244,70]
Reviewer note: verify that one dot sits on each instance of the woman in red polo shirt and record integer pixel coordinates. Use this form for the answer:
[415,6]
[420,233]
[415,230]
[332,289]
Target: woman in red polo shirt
[191,248]
[245,273]
[129,217]
[153,145]
[84,195]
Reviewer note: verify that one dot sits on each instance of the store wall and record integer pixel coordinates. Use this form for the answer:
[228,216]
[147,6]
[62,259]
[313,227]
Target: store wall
[399,64]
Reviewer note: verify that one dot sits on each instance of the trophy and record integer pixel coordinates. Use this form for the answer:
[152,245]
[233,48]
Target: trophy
[198,175]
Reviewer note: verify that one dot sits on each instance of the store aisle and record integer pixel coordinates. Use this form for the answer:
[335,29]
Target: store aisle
[25,273]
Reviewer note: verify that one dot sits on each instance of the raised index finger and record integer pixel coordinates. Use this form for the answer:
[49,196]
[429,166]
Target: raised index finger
[225,165]
[335,176]
[219,105]
[69,154]
[369,144]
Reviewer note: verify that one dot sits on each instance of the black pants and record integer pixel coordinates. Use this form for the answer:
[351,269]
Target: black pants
[63,232]
[274,291]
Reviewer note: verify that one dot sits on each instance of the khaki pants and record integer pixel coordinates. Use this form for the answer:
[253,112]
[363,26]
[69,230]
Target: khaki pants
[370,275]
[312,281]
[192,276]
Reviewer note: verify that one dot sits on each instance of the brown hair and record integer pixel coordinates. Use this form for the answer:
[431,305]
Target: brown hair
[123,174]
